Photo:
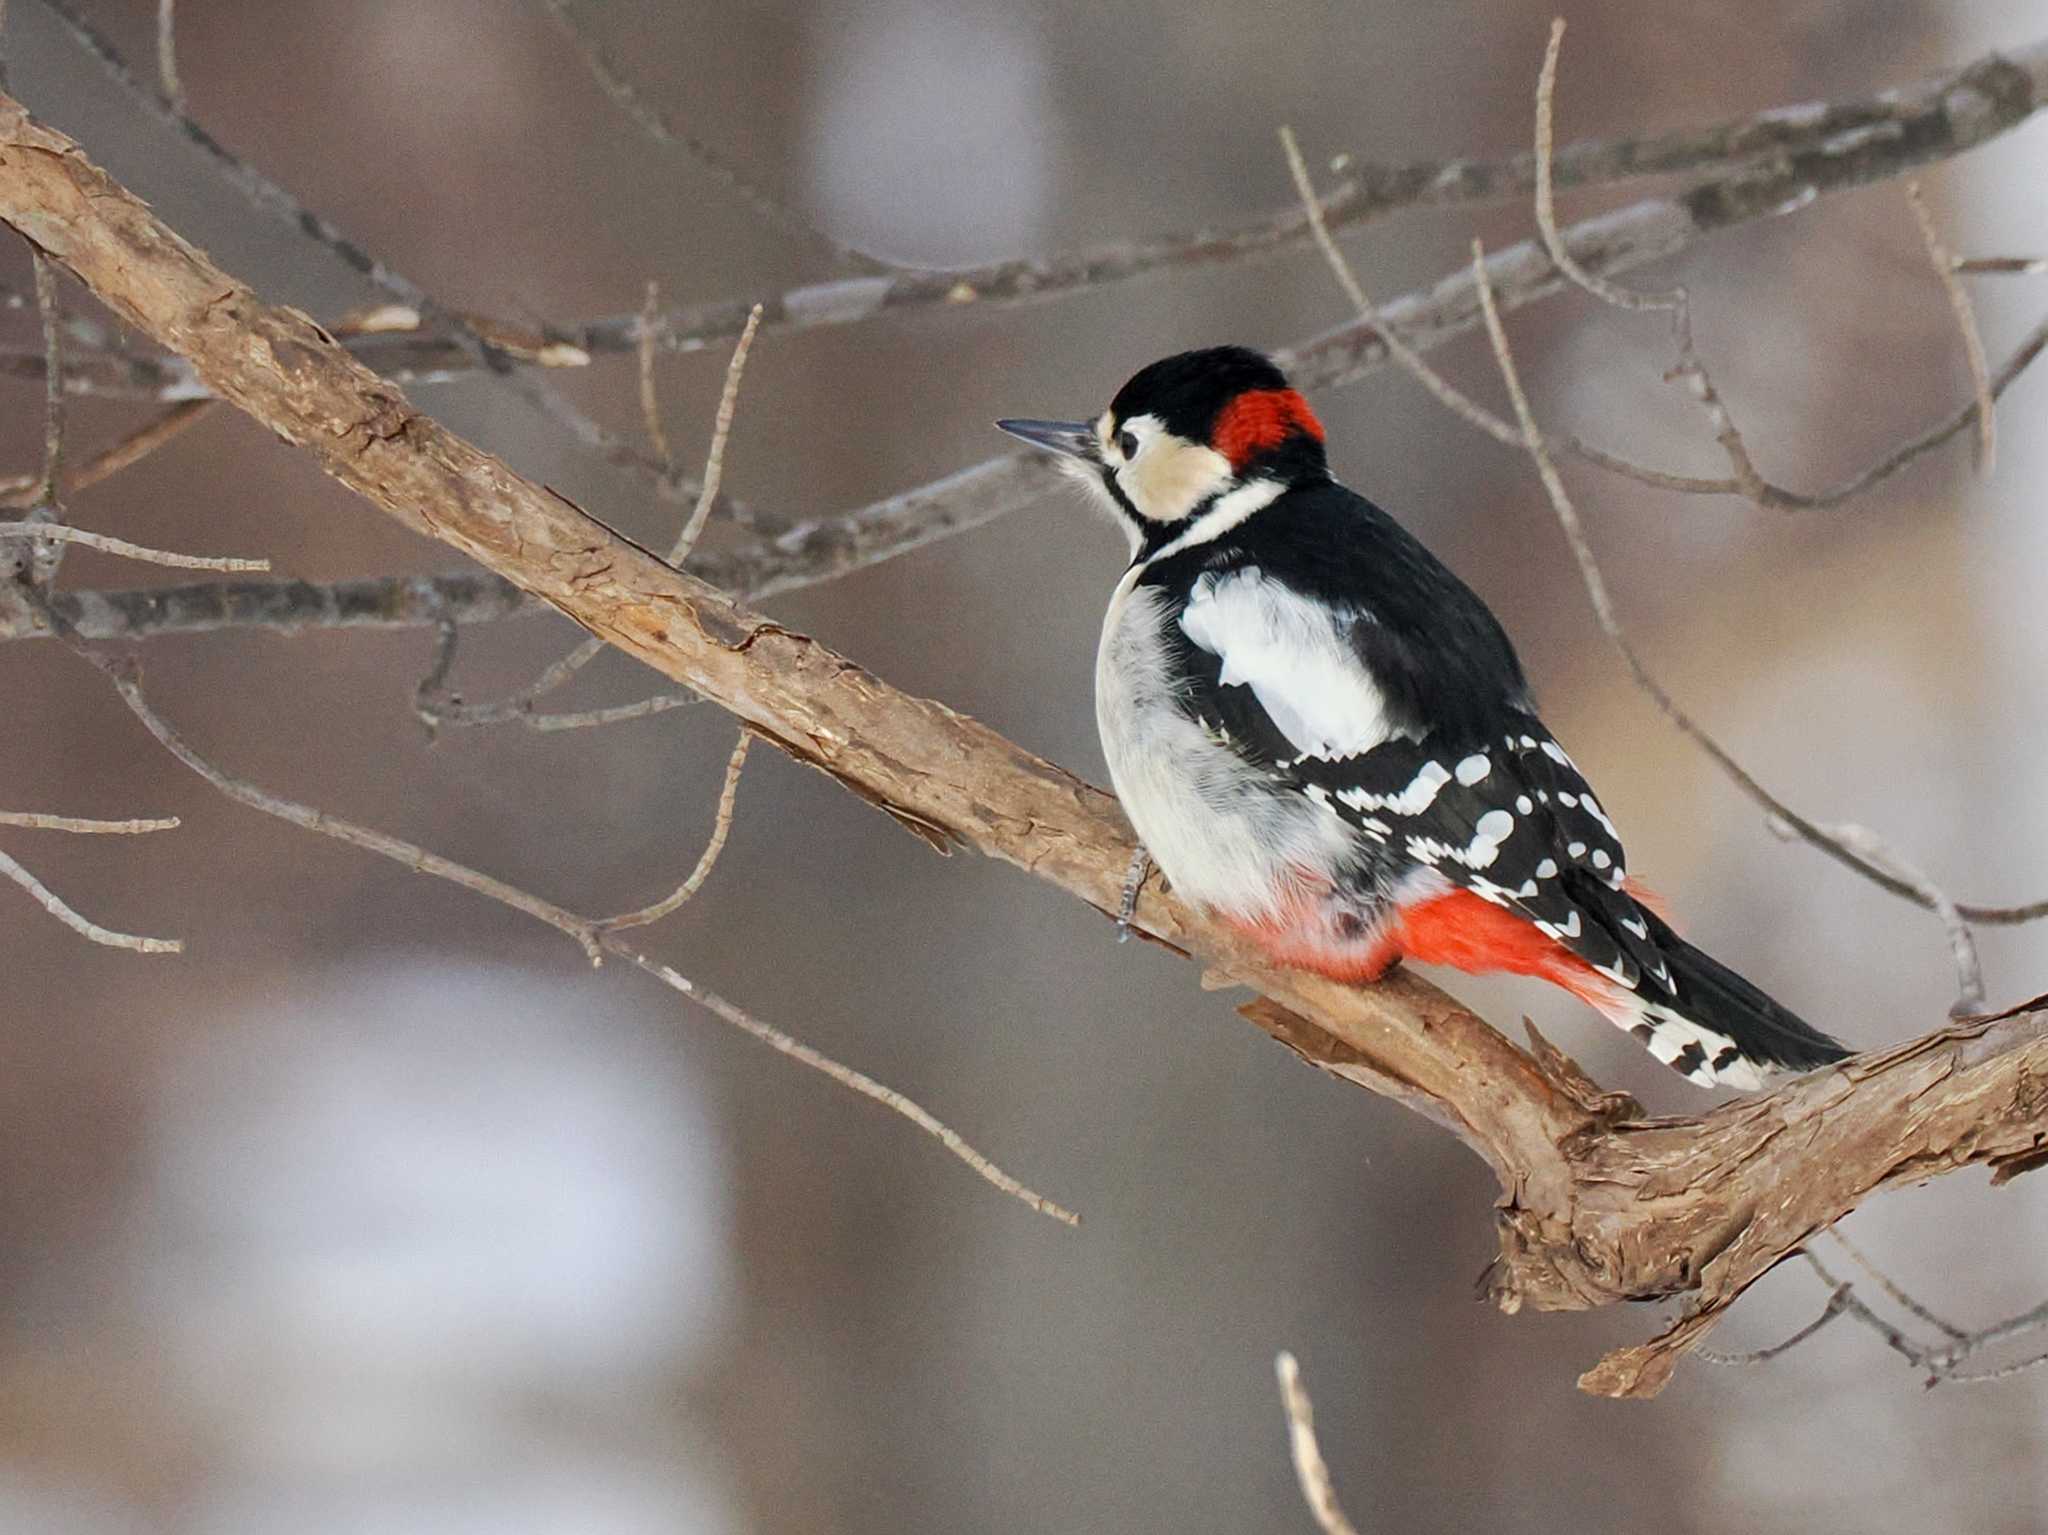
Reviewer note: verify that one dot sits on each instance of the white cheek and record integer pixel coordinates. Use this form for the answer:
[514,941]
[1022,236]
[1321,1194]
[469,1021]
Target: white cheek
[1170,479]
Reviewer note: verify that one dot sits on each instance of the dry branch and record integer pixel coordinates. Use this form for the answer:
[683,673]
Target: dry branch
[1598,1203]
[1311,1471]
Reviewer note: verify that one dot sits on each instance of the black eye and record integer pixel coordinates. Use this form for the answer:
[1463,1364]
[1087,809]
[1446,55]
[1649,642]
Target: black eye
[1127,444]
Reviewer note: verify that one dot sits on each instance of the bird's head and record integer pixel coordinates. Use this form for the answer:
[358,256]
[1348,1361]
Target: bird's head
[1191,446]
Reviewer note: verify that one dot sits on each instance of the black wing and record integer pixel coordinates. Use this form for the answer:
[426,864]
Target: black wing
[1297,683]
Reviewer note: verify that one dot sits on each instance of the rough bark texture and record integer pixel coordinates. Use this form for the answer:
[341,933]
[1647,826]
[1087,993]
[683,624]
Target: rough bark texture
[1598,1204]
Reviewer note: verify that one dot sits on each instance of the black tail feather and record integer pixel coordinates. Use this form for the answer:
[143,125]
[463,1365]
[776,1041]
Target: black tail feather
[1715,997]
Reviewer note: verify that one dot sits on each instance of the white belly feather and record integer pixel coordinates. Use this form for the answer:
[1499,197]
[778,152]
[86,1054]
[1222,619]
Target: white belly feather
[1225,839]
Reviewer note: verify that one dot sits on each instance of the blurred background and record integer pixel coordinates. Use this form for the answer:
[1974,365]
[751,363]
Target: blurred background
[379,1211]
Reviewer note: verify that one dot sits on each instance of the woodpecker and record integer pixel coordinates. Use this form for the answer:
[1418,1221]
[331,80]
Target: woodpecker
[1324,738]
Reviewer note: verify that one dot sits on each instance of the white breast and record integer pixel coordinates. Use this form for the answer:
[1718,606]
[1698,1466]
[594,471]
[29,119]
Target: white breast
[1224,836]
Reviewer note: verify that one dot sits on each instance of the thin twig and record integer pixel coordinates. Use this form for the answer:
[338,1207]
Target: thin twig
[1546,196]
[1997,1372]
[1891,1288]
[475,345]
[1693,370]
[167,53]
[1966,321]
[1447,393]
[650,397]
[775,1039]
[127,683]
[590,935]
[1761,163]
[1879,854]
[1310,1470]
[54,904]
[721,430]
[1936,1363]
[49,488]
[35,820]
[37,563]
[436,707]
[1777,497]
[107,544]
[1556,242]
[124,454]
[256,188]
[2001,266]
[721,828]
[1838,1305]
[612,714]
[660,127]
[1907,1348]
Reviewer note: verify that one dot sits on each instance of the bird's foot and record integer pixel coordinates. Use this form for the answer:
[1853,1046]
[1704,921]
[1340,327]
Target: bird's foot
[1134,881]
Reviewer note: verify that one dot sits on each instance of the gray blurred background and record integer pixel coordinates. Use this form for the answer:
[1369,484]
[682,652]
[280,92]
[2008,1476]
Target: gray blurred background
[378,1211]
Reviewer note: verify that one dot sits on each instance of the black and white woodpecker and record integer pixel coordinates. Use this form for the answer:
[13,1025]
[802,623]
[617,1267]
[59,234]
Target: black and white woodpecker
[1324,738]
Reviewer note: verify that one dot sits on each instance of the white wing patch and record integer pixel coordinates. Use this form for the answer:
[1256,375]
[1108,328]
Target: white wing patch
[1293,655]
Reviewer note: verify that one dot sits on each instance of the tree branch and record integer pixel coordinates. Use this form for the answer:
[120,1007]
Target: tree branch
[1598,1203]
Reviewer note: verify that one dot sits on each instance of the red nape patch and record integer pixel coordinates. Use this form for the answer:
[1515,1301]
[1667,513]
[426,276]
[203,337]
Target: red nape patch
[1260,419]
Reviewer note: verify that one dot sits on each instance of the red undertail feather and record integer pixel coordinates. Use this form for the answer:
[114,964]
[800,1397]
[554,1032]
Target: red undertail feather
[1458,930]
[1466,933]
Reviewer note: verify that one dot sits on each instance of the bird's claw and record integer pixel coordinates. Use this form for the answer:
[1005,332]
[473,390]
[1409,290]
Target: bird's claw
[1134,881]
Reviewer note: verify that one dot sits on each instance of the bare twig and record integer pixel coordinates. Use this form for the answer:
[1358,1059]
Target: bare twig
[2001,266]
[1452,398]
[167,54]
[1874,851]
[437,707]
[1966,322]
[474,343]
[612,714]
[1996,1372]
[721,828]
[1546,196]
[1891,1287]
[36,562]
[32,563]
[1693,370]
[137,445]
[258,189]
[1838,1305]
[592,936]
[721,430]
[127,683]
[49,488]
[54,904]
[846,1076]
[134,826]
[107,544]
[1764,163]
[1937,1363]
[1310,1470]
[650,397]
[660,127]
[1779,498]
[1747,479]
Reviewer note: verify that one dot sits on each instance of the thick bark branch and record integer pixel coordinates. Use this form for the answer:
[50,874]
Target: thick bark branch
[1598,1203]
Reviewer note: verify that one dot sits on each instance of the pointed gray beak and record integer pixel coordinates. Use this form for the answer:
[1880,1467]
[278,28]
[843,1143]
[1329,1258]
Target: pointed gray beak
[1076,439]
